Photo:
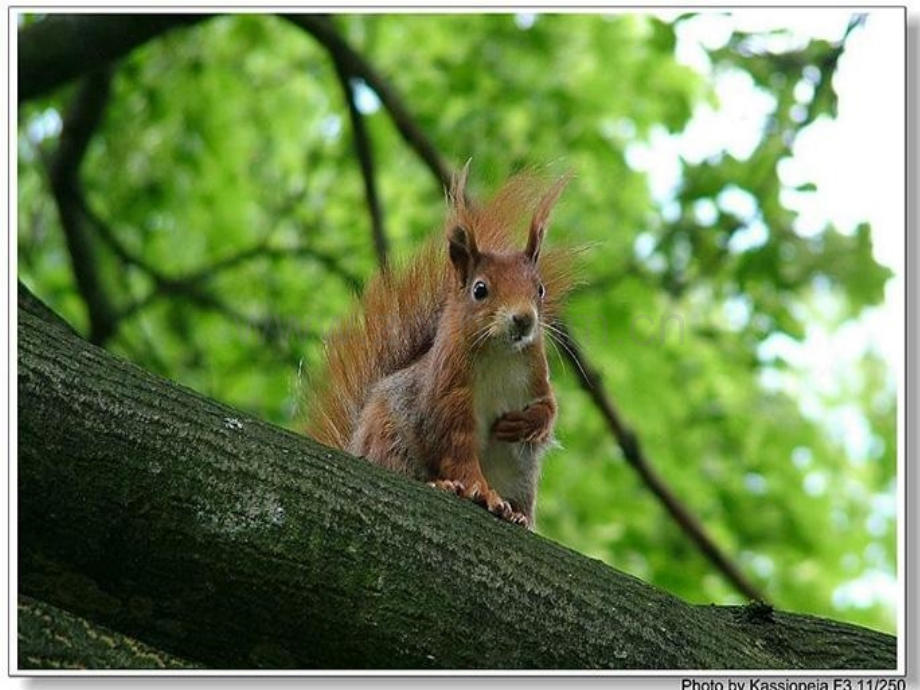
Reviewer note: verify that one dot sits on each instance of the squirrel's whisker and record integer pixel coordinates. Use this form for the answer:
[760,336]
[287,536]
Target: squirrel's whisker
[557,335]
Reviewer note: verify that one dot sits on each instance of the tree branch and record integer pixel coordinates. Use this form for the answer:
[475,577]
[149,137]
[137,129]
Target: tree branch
[261,250]
[62,47]
[180,522]
[364,150]
[323,31]
[80,123]
[190,286]
[590,381]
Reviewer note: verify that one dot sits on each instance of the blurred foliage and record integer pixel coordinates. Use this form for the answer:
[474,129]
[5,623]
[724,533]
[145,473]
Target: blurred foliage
[233,135]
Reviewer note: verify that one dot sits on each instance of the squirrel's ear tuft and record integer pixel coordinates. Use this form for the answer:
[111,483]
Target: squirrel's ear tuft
[541,218]
[457,192]
[463,251]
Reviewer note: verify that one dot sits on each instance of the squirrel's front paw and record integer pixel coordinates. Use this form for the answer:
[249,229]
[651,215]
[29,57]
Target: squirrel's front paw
[530,425]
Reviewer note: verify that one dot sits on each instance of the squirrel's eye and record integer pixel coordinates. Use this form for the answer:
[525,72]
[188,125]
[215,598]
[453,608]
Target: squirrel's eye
[480,291]
[541,291]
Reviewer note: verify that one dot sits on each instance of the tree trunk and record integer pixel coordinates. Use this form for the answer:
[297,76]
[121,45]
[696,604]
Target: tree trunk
[163,515]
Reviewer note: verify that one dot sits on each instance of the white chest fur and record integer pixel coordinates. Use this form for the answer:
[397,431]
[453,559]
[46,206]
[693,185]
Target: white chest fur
[502,384]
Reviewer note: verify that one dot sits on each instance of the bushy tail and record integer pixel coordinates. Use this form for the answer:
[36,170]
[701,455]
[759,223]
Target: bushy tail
[393,326]
[397,318]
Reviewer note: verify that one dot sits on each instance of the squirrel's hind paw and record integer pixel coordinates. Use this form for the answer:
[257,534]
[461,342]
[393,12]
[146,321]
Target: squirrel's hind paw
[450,485]
[519,519]
[501,508]
[488,499]
[509,514]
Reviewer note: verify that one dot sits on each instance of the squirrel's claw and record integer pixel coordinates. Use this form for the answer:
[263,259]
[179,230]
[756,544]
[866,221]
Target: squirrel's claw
[519,519]
[504,511]
[451,485]
[501,509]
[488,499]
[491,501]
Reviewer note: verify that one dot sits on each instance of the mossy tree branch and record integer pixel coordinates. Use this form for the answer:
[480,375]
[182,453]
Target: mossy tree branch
[180,522]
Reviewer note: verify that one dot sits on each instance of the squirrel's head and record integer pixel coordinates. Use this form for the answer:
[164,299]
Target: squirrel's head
[501,293]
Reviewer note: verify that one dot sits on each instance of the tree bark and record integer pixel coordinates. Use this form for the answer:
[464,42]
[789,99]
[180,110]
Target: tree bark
[171,518]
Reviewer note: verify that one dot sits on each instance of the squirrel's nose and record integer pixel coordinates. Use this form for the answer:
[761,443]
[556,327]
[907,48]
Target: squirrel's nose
[522,324]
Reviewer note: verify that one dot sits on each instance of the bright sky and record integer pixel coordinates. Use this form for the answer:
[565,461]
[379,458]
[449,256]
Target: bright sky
[857,163]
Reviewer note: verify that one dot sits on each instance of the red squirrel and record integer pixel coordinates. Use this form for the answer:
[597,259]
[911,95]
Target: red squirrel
[441,374]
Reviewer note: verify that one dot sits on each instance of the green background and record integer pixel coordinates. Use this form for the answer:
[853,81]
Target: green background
[233,136]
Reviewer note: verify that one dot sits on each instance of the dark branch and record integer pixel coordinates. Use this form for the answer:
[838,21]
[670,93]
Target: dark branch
[590,381]
[364,149]
[323,31]
[80,122]
[263,251]
[62,47]
[192,286]
[260,250]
